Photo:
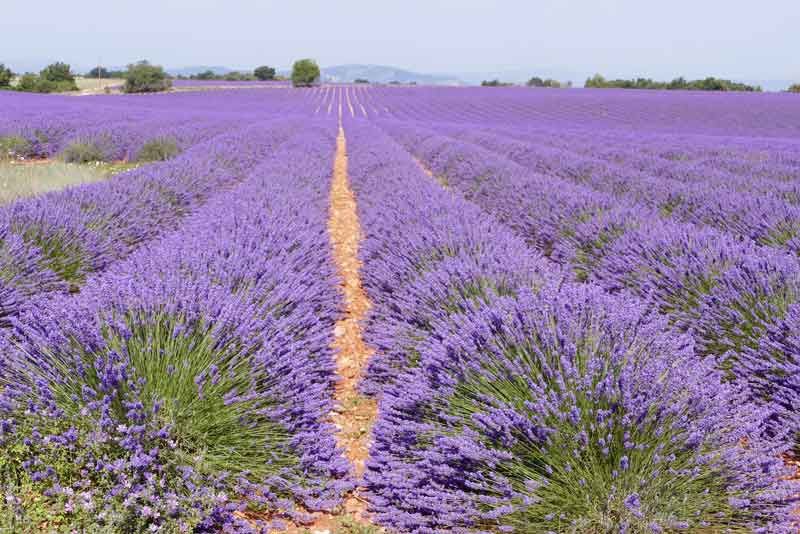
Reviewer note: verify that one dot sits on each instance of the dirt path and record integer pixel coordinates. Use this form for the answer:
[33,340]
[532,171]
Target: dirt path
[356,413]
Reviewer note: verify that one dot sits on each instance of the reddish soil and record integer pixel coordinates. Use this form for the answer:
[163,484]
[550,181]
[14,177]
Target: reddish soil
[355,413]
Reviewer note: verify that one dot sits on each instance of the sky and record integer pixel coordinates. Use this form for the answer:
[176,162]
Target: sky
[741,39]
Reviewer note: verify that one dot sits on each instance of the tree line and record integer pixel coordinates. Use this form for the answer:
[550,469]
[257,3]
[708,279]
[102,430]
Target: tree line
[678,84]
[141,77]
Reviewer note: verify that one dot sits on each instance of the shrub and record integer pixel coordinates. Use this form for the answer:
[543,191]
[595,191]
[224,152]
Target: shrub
[14,146]
[83,152]
[236,76]
[305,73]
[5,76]
[142,77]
[32,83]
[706,84]
[57,72]
[102,72]
[538,82]
[794,88]
[27,82]
[159,149]
[264,73]
[160,441]
[572,411]
[494,83]
[205,75]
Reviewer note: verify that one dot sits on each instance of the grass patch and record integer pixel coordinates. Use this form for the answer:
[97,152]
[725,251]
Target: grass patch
[26,180]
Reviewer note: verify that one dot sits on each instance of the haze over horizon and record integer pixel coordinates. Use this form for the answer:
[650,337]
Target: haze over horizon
[619,38]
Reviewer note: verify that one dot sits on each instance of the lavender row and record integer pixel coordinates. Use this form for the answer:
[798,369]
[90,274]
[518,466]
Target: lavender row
[761,214]
[120,126]
[624,168]
[773,116]
[505,413]
[185,389]
[739,301]
[53,242]
[680,156]
[426,253]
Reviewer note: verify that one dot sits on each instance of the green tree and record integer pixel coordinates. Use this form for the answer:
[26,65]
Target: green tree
[56,78]
[305,73]
[595,81]
[57,72]
[142,77]
[28,82]
[794,88]
[5,76]
[494,83]
[535,82]
[236,76]
[264,73]
[205,75]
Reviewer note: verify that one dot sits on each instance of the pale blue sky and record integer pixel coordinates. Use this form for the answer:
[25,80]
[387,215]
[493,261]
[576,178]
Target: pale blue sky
[659,38]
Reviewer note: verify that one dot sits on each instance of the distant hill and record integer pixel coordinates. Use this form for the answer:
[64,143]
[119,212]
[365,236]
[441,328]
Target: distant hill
[384,74]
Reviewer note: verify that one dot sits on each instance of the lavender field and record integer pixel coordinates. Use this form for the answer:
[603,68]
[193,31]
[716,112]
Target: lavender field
[358,308]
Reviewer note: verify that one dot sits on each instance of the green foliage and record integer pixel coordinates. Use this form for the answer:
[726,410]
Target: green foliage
[159,149]
[55,78]
[83,152]
[305,73]
[678,84]
[142,77]
[236,76]
[49,86]
[62,254]
[13,147]
[539,82]
[264,73]
[495,83]
[171,358]
[27,83]
[586,486]
[57,72]
[794,88]
[5,76]
[102,72]
[205,75]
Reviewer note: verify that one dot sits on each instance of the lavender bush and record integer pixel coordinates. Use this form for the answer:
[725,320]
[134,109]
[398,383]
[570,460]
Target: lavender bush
[571,411]
[186,387]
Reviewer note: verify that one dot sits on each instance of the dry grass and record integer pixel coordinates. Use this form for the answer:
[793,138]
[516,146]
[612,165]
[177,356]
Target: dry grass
[95,85]
[30,179]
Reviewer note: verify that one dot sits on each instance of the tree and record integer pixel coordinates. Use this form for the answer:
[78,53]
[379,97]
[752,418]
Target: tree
[494,83]
[142,77]
[595,81]
[27,82]
[794,88]
[57,72]
[98,72]
[264,73]
[56,78]
[5,76]
[535,82]
[305,73]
